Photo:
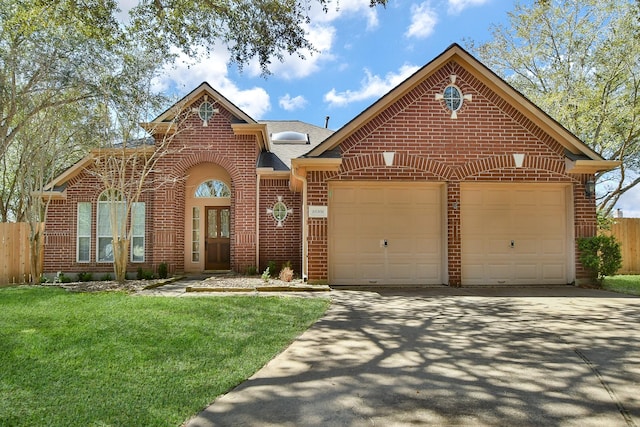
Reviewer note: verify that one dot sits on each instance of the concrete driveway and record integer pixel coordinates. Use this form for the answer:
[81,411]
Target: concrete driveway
[558,356]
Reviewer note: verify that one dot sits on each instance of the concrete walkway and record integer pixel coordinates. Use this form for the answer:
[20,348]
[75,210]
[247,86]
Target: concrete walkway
[558,356]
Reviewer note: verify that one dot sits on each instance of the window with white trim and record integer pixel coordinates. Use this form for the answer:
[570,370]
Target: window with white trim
[195,235]
[83,232]
[110,213]
[137,231]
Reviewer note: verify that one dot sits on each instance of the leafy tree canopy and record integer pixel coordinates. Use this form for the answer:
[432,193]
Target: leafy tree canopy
[578,61]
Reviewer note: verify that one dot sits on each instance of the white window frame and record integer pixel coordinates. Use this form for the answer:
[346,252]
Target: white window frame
[138,230]
[104,204]
[195,234]
[83,229]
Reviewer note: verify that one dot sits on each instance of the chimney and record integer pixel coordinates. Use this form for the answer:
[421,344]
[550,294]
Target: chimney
[326,122]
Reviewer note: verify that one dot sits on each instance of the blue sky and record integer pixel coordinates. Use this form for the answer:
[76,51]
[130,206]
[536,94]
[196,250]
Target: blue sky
[362,54]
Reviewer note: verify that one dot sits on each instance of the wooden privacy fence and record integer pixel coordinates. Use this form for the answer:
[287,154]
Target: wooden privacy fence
[15,257]
[627,232]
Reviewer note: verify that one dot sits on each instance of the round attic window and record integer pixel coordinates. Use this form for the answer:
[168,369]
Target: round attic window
[452,98]
[205,111]
[280,211]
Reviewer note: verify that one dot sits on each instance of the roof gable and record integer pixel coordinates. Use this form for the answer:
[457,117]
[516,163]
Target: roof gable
[204,89]
[494,83]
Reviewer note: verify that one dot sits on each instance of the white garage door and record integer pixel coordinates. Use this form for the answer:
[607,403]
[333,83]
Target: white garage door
[514,234]
[385,233]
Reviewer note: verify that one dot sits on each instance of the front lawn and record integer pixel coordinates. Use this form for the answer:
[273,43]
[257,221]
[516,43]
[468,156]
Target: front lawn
[110,359]
[629,284]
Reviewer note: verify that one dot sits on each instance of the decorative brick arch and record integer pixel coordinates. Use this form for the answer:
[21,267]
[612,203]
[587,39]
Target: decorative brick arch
[401,160]
[545,165]
[181,167]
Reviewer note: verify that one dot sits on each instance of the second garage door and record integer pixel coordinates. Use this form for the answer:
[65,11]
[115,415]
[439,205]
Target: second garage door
[514,234]
[385,233]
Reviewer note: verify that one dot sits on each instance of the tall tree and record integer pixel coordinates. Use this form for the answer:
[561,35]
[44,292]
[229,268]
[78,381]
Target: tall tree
[126,168]
[578,61]
[262,29]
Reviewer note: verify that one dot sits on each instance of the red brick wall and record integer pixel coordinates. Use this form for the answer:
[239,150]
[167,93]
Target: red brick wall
[61,231]
[280,244]
[165,208]
[431,146]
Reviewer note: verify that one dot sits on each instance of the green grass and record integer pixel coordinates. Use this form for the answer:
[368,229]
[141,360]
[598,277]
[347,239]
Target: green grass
[110,359]
[624,284]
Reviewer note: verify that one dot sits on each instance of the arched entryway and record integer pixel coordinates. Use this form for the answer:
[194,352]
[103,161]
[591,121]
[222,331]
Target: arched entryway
[208,226]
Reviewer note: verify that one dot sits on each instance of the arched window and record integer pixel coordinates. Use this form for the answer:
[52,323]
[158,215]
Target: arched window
[213,188]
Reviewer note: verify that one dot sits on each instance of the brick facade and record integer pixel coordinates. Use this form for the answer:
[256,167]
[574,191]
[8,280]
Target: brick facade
[429,145]
[166,215]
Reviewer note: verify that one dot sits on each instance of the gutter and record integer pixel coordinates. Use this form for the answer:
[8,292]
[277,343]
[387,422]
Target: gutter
[305,258]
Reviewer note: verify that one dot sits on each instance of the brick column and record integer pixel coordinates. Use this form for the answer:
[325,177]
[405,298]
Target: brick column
[454,254]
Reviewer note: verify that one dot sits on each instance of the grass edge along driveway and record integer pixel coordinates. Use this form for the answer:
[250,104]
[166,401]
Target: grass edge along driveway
[110,359]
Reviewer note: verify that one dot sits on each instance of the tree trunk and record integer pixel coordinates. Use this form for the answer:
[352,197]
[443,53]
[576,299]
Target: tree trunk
[35,249]
[120,257]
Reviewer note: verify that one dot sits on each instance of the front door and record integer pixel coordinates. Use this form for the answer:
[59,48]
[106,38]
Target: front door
[217,245]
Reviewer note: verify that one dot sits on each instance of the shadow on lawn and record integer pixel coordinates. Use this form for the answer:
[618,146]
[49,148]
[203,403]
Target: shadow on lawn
[461,357]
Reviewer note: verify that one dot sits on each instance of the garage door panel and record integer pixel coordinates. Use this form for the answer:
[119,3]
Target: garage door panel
[371,270]
[555,247]
[400,197]
[428,246]
[344,197]
[494,247]
[407,215]
[499,272]
[522,199]
[346,270]
[526,273]
[432,273]
[533,216]
[401,271]
[526,247]
[553,271]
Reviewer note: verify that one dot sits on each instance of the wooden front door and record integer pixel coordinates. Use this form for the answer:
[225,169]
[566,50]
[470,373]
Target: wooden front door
[217,246]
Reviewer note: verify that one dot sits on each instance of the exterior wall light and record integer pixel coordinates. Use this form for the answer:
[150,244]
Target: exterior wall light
[589,188]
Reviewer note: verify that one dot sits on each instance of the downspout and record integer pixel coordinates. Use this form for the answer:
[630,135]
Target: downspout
[305,258]
[257,222]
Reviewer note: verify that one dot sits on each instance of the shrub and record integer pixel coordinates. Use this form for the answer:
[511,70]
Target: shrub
[252,270]
[286,274]
[144,274]
[266,275]
[271,266]
[163,270]
[61,278]
[106,277]
[85,277]
[601,255]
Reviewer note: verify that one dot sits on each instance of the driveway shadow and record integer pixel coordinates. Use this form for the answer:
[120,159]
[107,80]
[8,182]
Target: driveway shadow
[448,356]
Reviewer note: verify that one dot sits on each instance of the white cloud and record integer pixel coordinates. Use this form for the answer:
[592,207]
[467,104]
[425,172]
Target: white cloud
[339,9]
[186,74]
[294,67]
[457,6]
[321,33]
[371,87]
[291,104]
[423,21]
